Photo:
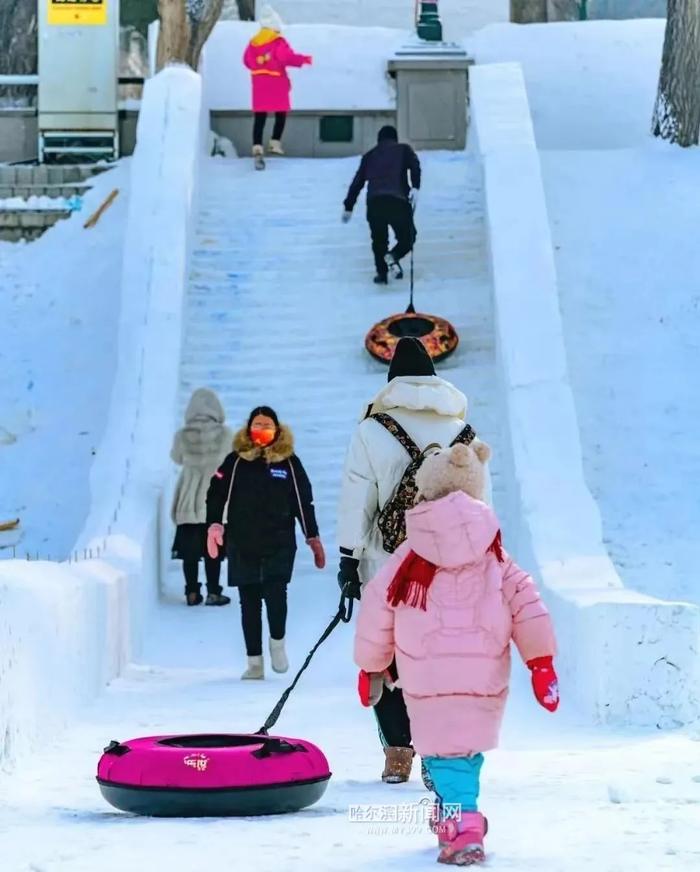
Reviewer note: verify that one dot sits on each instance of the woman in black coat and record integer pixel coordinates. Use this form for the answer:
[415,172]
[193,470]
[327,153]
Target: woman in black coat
[267,490]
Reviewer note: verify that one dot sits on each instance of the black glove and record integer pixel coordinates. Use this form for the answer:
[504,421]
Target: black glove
[349,578]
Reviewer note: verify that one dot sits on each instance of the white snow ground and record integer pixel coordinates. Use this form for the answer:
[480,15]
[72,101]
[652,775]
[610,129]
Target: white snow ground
[59,306]
[279,300]
[624,213]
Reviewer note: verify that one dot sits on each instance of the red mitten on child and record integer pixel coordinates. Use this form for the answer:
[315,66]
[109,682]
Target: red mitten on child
[370,686]
[545,684]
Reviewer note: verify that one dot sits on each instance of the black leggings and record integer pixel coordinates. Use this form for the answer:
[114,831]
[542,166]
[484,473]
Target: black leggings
[259,126]
[212,569]
[392,717]
[252,595]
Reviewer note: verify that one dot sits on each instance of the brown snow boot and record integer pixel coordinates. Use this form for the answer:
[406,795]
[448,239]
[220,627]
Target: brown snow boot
[397,768]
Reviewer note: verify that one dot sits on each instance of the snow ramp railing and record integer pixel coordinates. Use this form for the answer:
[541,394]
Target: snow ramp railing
[67,628]
[130,476]
[624,656]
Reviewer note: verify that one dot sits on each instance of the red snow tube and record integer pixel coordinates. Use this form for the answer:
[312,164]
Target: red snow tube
[220,775]
[437,335]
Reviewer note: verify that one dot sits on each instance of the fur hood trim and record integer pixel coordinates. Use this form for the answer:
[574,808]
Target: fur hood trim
[281,449]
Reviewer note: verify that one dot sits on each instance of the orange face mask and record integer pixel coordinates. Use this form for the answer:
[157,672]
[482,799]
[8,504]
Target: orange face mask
[263,436]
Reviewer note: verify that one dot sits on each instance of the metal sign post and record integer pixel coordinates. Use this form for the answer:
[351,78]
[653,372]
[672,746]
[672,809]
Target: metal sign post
[78,78]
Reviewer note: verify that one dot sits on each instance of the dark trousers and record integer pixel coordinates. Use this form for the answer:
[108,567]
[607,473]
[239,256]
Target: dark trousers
[259,126]
[392,717]
[212,569]
[384,212]
[252,596]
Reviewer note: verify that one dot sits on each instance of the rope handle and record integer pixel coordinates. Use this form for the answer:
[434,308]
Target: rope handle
[343,615]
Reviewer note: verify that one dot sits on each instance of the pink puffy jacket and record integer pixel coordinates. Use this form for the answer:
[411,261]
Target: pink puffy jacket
[267,56]
[453,658]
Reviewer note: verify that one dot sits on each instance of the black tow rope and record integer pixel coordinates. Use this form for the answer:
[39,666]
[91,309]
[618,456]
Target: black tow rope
[411,308]
[344,614]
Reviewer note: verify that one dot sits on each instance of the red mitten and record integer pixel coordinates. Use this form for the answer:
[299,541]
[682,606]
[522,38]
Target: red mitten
[370,686]
[545,683]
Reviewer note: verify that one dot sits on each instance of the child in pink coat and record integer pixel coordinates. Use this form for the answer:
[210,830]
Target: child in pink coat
[447,606]
[267,56]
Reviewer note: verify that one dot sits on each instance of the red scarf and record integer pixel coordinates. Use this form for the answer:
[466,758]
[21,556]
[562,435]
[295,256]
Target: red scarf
[415,575]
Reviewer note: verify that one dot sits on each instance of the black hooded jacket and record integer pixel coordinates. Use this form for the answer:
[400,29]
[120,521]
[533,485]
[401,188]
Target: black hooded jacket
[386,170]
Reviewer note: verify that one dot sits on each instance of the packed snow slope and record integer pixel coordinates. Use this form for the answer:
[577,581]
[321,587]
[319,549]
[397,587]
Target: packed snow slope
[279,301]
[59,310]
[624,213]
[625,224]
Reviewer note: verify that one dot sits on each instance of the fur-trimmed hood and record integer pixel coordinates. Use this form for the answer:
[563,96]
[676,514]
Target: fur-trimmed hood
[281,449]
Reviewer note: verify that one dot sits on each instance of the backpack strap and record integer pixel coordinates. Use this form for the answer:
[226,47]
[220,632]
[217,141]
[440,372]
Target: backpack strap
[398,432]
[464,437]
[299,502]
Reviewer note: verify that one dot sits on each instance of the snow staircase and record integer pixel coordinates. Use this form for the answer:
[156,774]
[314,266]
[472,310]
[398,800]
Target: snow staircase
[281,297]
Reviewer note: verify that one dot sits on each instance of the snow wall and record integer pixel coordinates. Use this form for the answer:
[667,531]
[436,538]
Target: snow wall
[67,629]
[623,656]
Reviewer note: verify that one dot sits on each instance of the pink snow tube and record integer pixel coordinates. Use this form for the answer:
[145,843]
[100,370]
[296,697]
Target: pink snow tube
[219,775]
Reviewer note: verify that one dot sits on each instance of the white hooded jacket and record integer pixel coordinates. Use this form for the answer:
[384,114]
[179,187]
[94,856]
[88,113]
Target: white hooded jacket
[200,448]
[430,409]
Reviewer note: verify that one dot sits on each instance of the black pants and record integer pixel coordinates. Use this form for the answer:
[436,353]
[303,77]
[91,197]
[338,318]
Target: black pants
[384,212]
[212,569]
[252,595]
[259,126]
[392,717]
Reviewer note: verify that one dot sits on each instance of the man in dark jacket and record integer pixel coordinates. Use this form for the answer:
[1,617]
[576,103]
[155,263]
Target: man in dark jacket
[386,170]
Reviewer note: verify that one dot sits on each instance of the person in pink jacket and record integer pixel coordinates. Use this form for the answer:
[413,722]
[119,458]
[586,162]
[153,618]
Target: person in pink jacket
[267,56]
[447,606]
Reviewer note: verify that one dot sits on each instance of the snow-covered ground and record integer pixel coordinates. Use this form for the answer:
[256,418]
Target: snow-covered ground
[59,304]
[559,797]
[624,214]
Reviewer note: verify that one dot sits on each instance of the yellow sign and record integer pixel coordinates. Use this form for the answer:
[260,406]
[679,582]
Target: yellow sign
[78,13]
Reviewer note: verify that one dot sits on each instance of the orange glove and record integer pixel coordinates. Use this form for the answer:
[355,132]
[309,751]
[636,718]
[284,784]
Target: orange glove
[215,540]
[316,547]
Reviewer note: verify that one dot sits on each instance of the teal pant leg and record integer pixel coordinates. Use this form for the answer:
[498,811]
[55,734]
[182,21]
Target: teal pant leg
[456,779]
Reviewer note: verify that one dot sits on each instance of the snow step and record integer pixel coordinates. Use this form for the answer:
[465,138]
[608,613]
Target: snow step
[280,299]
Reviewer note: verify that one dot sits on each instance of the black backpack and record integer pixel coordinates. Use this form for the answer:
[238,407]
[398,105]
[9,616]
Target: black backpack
[392,518]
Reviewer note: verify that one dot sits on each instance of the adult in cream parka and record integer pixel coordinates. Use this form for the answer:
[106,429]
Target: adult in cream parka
[431,410]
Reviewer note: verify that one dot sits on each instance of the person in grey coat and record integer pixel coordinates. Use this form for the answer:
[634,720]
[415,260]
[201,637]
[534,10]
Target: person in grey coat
[199,447]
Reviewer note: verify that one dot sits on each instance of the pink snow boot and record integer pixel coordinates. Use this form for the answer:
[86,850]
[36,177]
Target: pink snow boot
[461,841]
